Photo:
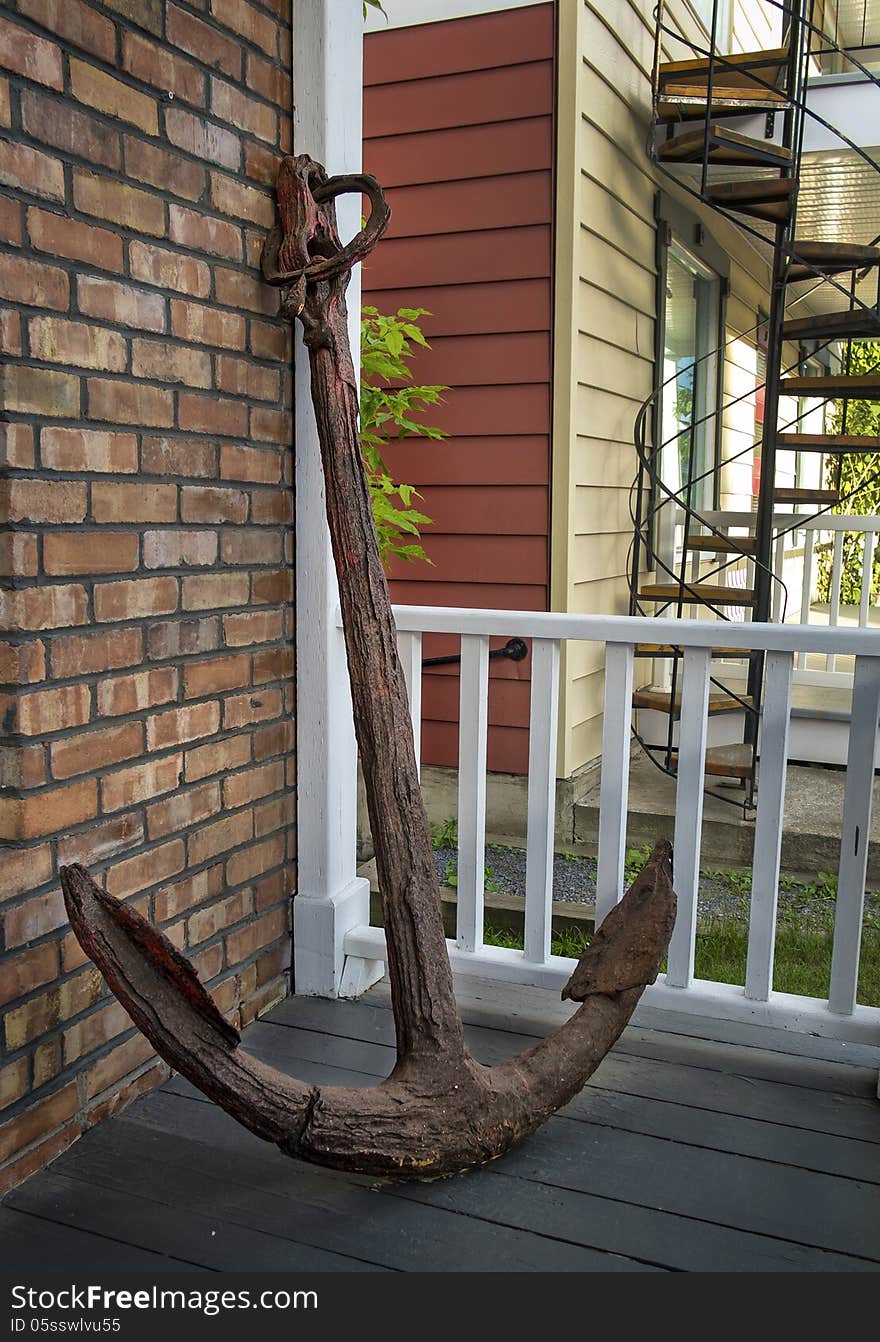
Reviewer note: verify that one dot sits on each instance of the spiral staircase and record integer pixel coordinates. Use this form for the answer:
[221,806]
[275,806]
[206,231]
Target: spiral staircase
[822,296]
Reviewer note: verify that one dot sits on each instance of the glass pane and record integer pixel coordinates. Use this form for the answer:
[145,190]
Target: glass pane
[679,373]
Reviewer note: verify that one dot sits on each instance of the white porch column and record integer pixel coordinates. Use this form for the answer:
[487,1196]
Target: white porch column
[330,899]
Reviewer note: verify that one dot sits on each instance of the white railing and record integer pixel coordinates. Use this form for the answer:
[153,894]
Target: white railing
[678,989]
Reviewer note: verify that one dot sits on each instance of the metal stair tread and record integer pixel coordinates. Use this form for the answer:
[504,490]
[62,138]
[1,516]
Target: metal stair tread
[726,146]
[722,544]
[805,496]
[731,761]
[698,592]
[828,258]
[828,442]
[661,701]
[742,62]
[827,325]
[857,386]
[675,649]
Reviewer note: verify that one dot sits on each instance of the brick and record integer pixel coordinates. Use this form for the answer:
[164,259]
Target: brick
[38,1120]
[211,414]
[272,588]
[252,938]
[31,170]
[179,549]
[271,890]
[165,70]
[63,127]
[205,504]
[131,694]
[166,362]
[34,284]
[44,500]
[136,598]
[24,869]
[261,164]
[215,675]
[43,813]
[118,502]
[47,1061]
[10,331]
[247,463]
[18,555]
[117,1100]
[250,547]
[239,710]
[273,664]
[194,228]
[22,766]
[180,638]
[229,196]
[247,379]
[170,270]
[229,104]
[120,303]
[250,23]
[252,627]
[108,198]
[60,236]
[17,446]
[277,738]
[272,507]
[218,757]
[107,94]
[23,973]
[84,654]
[253,784]
[208,922]
[203,139]
[51,710]
[184,810]
[102,841]
[29,55]
[45,607]
[272,426]
[146,14]
[230,832]
[68,554]
[200,39]
[94,450]
[57,340]
[5,105]
[34,918]
[125,1058]
[88,1035]
[178,456]
[269,80]
[38,1157]
[169,172]
[79,754]
[137,873]
[147,779]
[255,861]
[22,663]
[130,403]
[178,725]
[206,325]
[208,962]
[239,289]
[211,591]
[187,894]
[77,23]
[13,1082]
[270,342]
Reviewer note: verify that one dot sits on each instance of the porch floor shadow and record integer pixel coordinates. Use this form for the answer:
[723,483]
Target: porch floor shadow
[696,1146]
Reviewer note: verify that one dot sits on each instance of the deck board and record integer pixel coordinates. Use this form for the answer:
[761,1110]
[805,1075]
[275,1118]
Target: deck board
[681,1153]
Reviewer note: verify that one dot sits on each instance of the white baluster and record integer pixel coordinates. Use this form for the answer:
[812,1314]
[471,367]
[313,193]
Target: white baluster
[834,609]
[410,649]
[473,721]
[768,827]
[778,566]
[541,821]
[689,813]
[857,805]
[614,785]
[806,586]
[867,576]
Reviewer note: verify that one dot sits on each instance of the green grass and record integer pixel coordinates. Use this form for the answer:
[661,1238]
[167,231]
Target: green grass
[803,952]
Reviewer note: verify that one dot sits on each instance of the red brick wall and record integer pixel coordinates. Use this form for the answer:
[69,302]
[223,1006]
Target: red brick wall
[146,659]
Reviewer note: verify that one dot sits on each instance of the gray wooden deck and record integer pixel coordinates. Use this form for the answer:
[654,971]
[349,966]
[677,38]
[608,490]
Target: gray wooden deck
[681,1154]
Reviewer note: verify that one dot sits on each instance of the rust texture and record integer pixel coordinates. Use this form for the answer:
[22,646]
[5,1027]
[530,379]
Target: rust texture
[439,1111]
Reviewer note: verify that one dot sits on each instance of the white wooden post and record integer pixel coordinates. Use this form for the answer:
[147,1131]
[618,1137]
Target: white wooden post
[331,899]
[473,726]
[614,783]
[541,819]
[867,575]
[689,813]
[768,826]
[410,648]
[861,762]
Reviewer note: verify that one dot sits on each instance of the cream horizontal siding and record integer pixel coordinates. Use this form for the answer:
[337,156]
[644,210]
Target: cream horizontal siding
[605,317]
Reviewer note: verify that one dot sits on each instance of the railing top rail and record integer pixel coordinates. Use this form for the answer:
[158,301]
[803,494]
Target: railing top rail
[638,629]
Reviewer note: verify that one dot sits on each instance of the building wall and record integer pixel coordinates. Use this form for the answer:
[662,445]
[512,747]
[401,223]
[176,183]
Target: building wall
[605,313]
[146,658]
[458,123]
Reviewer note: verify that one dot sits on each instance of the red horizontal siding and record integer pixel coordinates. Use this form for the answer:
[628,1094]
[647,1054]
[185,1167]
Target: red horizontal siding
[464,147]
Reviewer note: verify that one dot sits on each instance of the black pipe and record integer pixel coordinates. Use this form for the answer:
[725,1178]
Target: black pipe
[514,650]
